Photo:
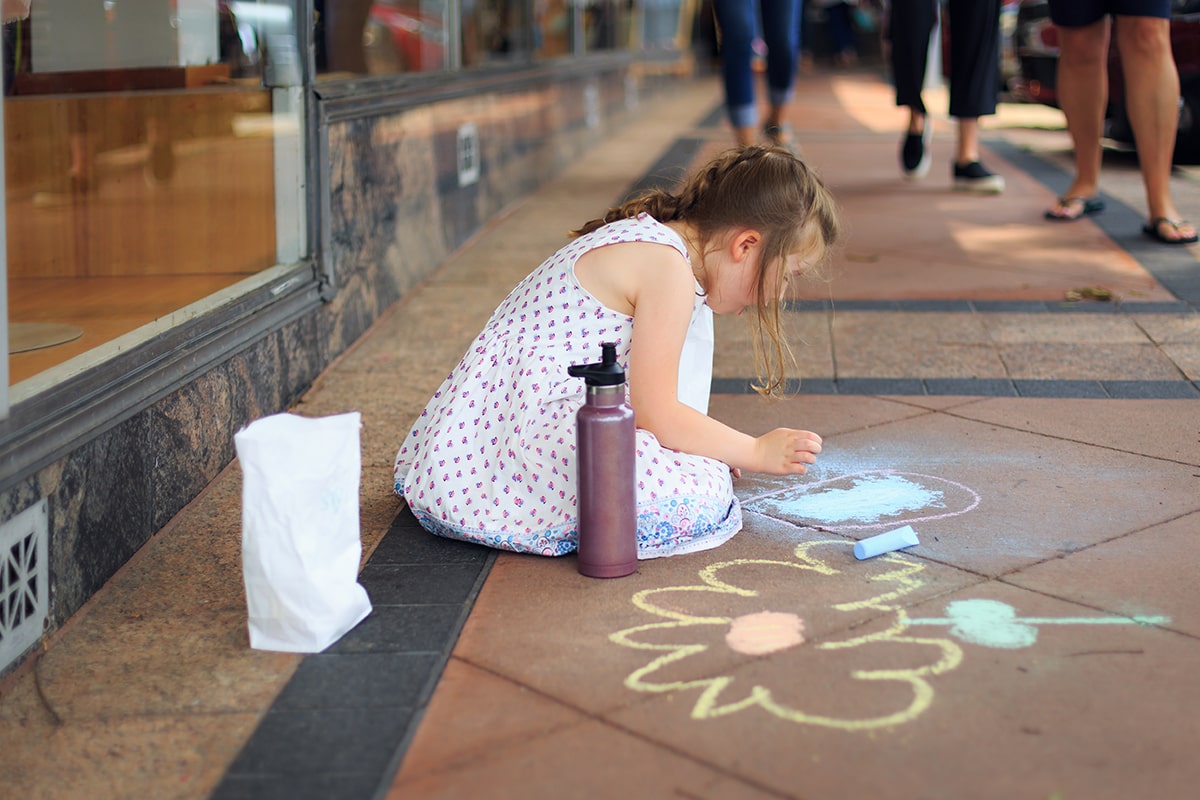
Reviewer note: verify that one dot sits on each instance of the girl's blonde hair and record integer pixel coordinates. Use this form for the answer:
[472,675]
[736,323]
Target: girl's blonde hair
[768,189]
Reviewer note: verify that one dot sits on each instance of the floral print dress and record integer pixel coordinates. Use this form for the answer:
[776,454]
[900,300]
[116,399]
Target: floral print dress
[491,459]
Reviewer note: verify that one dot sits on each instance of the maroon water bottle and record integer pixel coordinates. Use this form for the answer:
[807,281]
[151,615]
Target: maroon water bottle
[606,453]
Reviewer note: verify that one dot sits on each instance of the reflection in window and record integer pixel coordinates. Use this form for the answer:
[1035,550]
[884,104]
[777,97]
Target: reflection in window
[140,165]
[380,37]
[606,24]
[662,28]
[552,27]
[498,30]
[404,37]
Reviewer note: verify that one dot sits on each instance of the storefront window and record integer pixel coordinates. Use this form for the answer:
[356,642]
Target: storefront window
[382,37]
[153,157]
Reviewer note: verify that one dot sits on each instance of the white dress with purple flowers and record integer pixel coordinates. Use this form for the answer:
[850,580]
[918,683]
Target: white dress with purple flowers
[491,459]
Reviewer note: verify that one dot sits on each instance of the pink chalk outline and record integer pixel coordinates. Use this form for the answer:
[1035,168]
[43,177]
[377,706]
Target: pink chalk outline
[878,525]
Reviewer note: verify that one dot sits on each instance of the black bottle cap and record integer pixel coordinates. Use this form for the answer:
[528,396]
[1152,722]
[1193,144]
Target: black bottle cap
[606,373]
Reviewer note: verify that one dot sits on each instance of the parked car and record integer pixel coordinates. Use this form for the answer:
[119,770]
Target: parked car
[1036,43]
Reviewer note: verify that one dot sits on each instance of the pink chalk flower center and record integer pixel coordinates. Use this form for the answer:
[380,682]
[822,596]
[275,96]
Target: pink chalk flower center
[764,632]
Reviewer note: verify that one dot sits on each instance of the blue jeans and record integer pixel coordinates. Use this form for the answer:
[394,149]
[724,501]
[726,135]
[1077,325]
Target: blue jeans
[738,21]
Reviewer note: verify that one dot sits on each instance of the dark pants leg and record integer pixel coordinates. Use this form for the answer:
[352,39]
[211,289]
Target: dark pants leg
[974,57]
[910,24]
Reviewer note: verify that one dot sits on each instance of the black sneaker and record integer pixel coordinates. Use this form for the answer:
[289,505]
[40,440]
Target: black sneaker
[975,177]
[914,153]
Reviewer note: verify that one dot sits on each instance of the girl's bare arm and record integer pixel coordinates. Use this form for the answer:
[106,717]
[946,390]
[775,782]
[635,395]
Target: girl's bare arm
[662,300]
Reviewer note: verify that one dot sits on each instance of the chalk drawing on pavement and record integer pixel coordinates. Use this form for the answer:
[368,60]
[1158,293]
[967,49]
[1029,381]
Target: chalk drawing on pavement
[699,624]
[708,637]
[868,500]
[991,623]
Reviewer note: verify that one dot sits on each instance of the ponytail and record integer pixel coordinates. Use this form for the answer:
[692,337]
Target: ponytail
[658,203]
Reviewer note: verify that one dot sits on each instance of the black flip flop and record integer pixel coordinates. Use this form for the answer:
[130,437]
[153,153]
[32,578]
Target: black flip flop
[1091,205]
[1151,230]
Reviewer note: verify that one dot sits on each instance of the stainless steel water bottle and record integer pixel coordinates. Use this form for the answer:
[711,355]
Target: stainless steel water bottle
[606,454]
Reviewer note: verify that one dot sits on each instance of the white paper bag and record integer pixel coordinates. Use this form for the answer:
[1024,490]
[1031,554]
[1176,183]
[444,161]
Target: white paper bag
[300,530]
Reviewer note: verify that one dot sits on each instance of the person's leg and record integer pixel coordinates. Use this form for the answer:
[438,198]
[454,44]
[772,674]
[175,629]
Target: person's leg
[735,18]
[974,86]
[910,25]
[841,34]
[1082,87]
[974,57]
[967,147]
[781,33]
[806,57]
[1152,100]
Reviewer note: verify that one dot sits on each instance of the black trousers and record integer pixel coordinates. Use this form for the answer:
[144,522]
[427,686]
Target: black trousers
[974,53]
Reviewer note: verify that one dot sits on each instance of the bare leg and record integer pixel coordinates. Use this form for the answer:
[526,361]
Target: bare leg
[777,131]
[916,121]
[967,149]
[1152,100]
[1082,95]
[774,115]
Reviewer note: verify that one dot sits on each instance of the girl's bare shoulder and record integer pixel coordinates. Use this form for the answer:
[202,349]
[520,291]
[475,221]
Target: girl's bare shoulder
[617,273]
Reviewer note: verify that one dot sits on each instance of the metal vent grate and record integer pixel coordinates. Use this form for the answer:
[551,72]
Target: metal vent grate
[23,581]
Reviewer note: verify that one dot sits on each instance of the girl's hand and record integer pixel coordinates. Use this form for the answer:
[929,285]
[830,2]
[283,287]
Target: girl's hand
[786,451]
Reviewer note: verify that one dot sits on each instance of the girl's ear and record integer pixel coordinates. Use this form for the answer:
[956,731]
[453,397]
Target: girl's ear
[744,243]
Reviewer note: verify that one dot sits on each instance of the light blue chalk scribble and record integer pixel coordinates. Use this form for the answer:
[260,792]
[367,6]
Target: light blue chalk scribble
[868,499]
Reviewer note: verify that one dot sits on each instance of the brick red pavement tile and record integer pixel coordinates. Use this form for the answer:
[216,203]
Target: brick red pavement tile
[590,759]
[826,415]
[1132,426]
[475,713]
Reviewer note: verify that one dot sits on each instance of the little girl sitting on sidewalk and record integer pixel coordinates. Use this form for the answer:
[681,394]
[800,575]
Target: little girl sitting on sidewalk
[491,459]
